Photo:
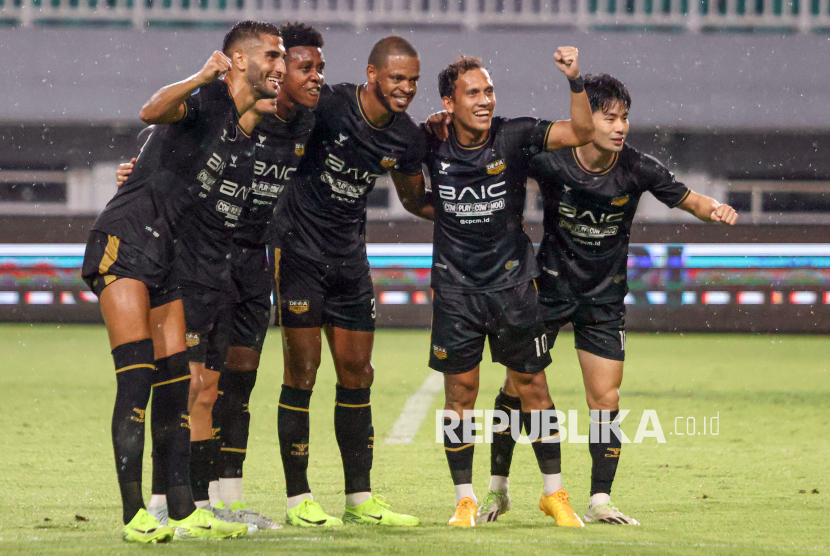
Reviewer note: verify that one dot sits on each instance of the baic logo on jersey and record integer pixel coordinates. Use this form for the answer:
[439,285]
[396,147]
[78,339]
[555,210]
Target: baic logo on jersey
[299,149]
[439,352]
[497,167]
[473,201]
[588,224]
[298,306]
[620,201]
[341,139]
[230,211]
[262,139]
[388,162]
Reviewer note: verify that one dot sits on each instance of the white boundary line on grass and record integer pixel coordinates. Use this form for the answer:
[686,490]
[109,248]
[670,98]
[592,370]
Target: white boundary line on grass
[415,410]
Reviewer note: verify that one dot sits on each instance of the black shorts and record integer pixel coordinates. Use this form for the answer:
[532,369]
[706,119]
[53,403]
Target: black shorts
[509,318]
[108,259]
[338,292]
[217,319]
[598,329]
[253,277]
[208,316]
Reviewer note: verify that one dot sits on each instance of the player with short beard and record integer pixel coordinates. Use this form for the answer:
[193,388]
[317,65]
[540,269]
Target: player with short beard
[128,265]
[280,139]
[590,197]
[361,132]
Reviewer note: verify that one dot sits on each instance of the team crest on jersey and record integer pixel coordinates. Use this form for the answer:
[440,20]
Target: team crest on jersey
[510,265]
[299,149]
[619,278]
[388,162]
[620,201]
[496,167]
[192,339]
[298,306]
[439,352]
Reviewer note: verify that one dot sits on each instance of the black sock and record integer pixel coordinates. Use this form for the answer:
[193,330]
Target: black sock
[501,450]
[548,454]
[355,436]
[203,455]
[159,468]
[293,427]
[459,454]
[605,452]
[134,373]
[236,387]
[171,431]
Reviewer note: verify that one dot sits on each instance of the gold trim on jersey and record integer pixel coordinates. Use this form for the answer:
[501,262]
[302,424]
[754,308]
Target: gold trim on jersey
[235,450]
[474,147]
[352,405]
[590,173]
[362,113]
[680,202]
[110,255]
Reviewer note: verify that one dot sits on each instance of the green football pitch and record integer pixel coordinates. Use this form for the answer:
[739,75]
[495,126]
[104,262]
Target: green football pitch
[755,483]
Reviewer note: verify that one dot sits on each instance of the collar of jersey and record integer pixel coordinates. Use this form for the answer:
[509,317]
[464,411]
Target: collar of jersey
[362,113]
[474,147]
[590,173]
[230,94]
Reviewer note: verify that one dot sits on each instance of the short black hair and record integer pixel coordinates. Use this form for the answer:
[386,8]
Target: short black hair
[605,91]
[449,75]
[390,46]
[300,34]
[245,30]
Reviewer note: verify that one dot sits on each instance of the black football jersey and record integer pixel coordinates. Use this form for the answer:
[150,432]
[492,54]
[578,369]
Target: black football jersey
[280,145]
[325,206]
[588,218]
[479,195]
[174,165]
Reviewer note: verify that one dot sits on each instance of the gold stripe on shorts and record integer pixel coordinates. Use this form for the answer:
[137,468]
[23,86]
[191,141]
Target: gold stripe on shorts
[110,255]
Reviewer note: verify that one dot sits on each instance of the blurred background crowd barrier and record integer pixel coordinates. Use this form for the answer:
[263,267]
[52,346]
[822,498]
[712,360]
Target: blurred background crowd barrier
[731,95]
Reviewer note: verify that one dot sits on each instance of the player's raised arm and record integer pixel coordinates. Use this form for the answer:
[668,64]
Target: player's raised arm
[413,194]
[708,209]
[167,104]
[579,130]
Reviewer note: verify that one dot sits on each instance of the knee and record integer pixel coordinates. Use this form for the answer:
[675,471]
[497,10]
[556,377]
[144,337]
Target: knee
[208,396]
[242,359]
[461,394]
[357,373]
[604,399]
[301,375]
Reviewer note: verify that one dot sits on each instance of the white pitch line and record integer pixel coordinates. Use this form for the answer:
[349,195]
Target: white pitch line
[415,410]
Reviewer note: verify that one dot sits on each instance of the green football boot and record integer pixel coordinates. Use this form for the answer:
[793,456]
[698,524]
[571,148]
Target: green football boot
[202,524]
[310,514]
[378,512]
[145,528]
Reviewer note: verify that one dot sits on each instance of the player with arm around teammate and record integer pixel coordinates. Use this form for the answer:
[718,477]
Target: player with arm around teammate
[483,263]
[128,264]
[361,133]
[590,198]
